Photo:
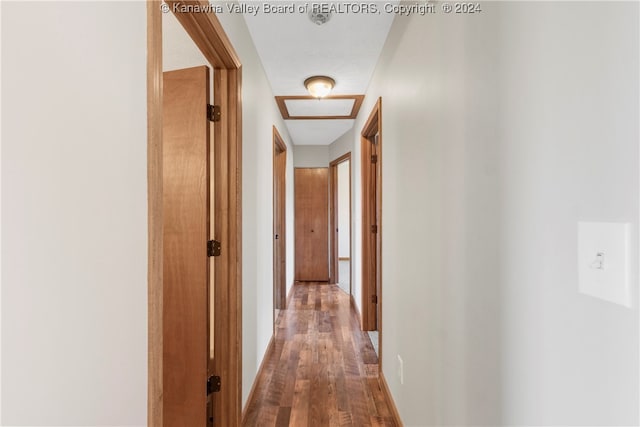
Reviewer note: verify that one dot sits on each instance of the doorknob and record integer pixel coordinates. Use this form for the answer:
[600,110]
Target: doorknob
[277,236]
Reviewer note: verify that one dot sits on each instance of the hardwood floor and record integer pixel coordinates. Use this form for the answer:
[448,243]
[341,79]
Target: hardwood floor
[322,370]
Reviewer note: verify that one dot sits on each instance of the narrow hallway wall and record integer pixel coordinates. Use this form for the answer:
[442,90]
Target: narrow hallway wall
[502,130]
[311,156]
[74,213]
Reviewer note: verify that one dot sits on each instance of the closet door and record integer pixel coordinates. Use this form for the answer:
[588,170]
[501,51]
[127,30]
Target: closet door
[312,224]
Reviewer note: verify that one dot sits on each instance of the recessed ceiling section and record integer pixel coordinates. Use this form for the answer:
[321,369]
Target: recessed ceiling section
[317,132]
[329,108]
[319,107]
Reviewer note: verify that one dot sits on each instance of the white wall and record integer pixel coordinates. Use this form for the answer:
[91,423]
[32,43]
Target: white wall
[508,128]
[259,114]
[577,160]
[74,218]
[342,145]
[179,50]
[311,156]
[1,218]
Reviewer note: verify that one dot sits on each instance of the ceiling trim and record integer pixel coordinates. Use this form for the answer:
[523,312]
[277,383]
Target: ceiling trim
[280,100]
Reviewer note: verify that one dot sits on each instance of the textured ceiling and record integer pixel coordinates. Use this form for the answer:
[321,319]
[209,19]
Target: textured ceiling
[293,48]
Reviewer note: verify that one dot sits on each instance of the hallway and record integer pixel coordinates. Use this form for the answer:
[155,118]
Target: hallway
[322,370]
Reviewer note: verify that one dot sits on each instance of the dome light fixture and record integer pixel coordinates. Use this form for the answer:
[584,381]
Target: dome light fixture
[319,86]
[320,14]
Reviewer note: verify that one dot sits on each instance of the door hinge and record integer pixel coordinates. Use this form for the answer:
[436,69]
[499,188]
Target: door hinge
[213,248]
[210,420]
[213,112]
[374,228]
[213,384]
[374,299]
[374,158]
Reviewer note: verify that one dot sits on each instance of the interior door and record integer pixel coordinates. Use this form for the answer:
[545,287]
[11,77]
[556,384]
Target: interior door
[186,214]
[312,224]
[377,204]
[371,242]
[279,222]
[371,256]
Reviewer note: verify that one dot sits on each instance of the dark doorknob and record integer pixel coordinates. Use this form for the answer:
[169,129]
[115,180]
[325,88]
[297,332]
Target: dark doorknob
[277,236]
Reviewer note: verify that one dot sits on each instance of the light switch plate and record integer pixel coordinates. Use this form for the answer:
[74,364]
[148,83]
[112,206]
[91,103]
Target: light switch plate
[603,261]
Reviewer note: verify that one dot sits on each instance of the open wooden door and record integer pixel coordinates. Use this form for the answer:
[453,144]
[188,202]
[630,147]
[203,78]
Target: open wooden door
[376,208]
[371,149]
[186,210]
[279,222]
[171,370]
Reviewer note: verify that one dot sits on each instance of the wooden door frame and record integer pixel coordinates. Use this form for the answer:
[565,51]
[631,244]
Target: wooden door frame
[334,274]
[279,291]
[208,34]
[371,270]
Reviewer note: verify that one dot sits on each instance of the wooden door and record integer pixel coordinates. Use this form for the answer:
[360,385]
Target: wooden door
[312,224]
[186,213]
[371,150]
[376,210]
[370,246]
[279,222]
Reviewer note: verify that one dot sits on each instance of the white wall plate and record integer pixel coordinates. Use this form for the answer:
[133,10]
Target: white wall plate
[603,261]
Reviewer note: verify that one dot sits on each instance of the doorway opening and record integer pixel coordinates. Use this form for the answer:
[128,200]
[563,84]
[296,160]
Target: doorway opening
[371,148]
[340,219]
[279,223]
[173,379]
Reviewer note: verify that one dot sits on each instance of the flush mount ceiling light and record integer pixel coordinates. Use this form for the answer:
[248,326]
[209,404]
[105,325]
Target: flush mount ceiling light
[319,86]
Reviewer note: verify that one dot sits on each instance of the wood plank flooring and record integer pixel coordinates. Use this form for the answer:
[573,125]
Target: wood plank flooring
[322,370]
